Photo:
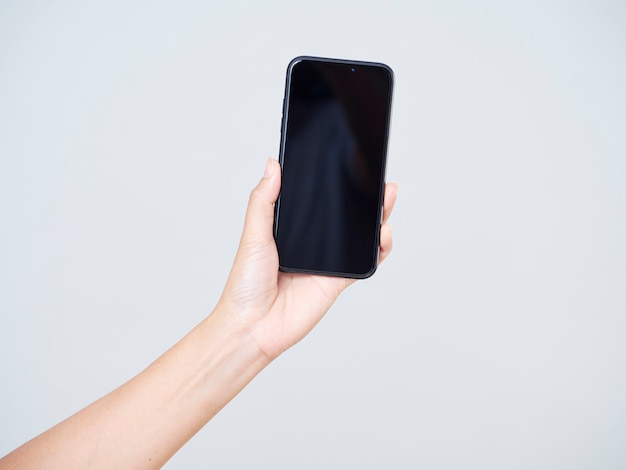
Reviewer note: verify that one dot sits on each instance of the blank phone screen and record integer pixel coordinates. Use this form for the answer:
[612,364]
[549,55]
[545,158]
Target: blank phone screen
[333,154]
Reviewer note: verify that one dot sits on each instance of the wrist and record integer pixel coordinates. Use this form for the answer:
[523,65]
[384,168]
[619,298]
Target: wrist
[231,357]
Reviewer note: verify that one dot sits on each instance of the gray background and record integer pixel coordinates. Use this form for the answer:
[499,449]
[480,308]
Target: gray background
[494,337]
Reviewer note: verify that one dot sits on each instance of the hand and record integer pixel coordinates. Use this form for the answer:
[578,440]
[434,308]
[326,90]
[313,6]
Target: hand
[145,421]
[261,313]
[278,309]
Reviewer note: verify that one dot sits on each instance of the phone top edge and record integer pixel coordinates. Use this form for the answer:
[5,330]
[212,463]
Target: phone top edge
[302,58]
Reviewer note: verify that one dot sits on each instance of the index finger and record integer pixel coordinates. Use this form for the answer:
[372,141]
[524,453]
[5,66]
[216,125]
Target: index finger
[389,200]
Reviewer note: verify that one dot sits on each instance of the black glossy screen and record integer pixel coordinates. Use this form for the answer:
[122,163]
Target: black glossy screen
[333,152]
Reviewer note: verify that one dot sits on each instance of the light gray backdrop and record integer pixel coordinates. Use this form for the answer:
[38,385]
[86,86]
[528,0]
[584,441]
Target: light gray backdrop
[495,336]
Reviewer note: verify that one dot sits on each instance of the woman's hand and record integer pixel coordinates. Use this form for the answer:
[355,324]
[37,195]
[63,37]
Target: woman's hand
[261,313]
[278,309]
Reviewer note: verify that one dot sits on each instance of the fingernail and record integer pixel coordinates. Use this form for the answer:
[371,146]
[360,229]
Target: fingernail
[269,168]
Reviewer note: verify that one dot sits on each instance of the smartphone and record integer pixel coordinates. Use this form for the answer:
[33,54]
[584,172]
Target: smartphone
[333,153]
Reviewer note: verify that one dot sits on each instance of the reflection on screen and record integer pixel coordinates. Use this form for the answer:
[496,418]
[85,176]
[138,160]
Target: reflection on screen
[333,160]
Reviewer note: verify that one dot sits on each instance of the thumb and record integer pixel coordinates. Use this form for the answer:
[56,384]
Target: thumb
[260,213]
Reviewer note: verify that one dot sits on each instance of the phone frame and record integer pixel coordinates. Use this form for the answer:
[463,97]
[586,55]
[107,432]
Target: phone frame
[381,188]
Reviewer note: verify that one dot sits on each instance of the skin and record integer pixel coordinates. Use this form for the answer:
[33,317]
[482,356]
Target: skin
[261,313]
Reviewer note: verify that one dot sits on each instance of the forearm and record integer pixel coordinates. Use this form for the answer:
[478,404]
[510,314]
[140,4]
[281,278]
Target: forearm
[145,421]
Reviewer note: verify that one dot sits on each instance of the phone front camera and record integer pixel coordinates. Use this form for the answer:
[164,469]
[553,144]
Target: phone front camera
[352,69]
